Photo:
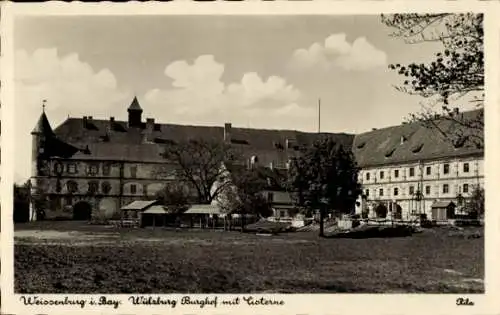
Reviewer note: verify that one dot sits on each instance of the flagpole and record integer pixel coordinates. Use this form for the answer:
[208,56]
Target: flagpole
[319,115]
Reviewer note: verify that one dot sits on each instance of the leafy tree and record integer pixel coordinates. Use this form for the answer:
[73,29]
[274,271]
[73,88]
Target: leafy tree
[242,193]
[455,72]
[21,203]
[325,177]
[198,164]
[476,202]
[174,196]
[249,185]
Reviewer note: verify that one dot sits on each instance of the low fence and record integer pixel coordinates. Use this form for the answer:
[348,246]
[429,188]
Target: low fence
[198,222]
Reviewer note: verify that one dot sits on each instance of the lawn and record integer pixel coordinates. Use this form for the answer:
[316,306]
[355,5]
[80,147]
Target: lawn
[68,257]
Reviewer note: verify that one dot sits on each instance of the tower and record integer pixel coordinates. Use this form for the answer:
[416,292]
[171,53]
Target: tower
[39,136]
[134,114]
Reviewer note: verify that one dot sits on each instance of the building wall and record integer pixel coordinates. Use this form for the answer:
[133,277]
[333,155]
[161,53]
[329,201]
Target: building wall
[105,185]
[397,182]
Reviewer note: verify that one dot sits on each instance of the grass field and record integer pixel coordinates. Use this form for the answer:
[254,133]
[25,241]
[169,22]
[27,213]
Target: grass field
[69,257]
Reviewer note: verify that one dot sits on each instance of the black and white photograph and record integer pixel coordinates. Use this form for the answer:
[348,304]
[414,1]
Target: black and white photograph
[250,153]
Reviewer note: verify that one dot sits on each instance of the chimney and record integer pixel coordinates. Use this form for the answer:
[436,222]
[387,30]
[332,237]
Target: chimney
[111,119]
[89,118]
[403,139]
[455,110]
[227,132]
[84,121]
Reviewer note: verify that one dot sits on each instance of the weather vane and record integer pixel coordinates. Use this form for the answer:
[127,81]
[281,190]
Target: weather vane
[43,105]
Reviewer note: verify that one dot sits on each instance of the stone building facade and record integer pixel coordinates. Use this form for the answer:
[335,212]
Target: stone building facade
[406,169]
[90,167]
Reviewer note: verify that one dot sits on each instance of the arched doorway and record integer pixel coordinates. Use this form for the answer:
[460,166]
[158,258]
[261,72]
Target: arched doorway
[397,211]
[381,211]
[82,211]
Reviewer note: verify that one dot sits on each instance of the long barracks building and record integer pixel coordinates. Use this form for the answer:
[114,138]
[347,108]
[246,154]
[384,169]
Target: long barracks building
[92,167]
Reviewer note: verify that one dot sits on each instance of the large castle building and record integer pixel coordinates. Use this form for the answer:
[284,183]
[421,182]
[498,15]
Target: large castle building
[90,167]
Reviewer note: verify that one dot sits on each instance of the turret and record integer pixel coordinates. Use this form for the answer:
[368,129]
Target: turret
[39,137]
[134,114]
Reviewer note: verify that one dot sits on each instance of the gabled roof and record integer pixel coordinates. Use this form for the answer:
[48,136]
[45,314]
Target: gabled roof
[135,105]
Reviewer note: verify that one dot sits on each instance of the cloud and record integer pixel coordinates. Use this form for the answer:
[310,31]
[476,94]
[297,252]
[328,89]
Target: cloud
[337,52]
[65,82]
[198,89]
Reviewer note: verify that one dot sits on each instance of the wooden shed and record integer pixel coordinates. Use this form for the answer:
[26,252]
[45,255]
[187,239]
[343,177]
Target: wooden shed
[443,210]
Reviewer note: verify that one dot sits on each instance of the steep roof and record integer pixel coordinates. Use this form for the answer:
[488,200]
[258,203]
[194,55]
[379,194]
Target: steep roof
[111,139]
[414,142]
[135,105]
[43,126]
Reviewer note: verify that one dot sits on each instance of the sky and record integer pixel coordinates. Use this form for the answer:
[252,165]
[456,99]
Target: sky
[252,71]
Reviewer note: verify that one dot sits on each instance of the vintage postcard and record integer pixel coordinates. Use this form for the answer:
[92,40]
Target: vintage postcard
[269,158]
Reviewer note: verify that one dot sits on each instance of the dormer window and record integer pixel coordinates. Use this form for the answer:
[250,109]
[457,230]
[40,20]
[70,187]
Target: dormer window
[361,145]
[403,139]
[417,148]
[390,152]
[278,145]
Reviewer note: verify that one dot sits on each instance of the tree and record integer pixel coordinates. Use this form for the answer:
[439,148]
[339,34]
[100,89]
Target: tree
[325,177]
[476,202]
[243,193]
[198,164]
[456,72]
[174,196]
[21,203]
[249,185]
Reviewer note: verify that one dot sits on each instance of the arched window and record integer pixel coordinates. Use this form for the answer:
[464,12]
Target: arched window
[106,187]
[93,187]
[72,186]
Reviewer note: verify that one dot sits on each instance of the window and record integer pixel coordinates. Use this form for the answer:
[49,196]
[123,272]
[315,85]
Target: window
[396,191]
[93,187]
[367,192]
[381,191]
[72,186]
[412,190]
[427,190]
[106,187]
[72,168]
[446,169]
[367,176]
[412,171]
[465,188]
[428,170]
[133,189]
[446,188]
[466,167]
[92,169]
[381,174]
[106,169]
[396,173]
[133,171]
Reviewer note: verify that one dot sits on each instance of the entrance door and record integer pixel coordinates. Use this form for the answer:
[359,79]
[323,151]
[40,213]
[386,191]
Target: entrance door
[82,211]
